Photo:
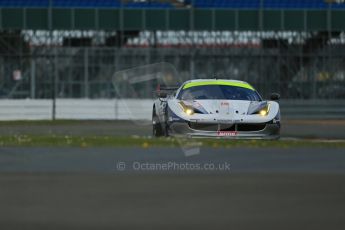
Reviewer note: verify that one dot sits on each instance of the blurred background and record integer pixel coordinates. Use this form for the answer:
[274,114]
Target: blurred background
[71,49]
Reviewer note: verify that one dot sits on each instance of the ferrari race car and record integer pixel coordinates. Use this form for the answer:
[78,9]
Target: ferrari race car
[215,108]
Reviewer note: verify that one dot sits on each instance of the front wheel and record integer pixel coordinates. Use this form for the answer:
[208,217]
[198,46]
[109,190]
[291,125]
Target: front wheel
[157,130]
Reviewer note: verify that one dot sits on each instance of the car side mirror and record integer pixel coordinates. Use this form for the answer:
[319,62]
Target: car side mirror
[275,96]
[162,94]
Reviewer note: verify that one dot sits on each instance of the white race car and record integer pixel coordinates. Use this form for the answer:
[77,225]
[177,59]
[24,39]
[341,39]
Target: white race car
[215,108]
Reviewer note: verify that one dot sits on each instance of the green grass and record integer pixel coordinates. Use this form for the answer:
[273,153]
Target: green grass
[51,122]
[146,142]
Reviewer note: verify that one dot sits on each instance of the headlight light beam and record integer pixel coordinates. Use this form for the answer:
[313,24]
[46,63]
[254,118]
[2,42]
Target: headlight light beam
[189,111]
[265,110]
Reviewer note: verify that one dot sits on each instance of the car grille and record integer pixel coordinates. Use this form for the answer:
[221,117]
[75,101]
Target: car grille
[225,127]
[211,127]
[250,127]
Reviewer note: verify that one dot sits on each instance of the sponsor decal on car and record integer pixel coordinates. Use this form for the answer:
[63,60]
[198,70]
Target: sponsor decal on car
[225,121]
[226,133]
[224,107]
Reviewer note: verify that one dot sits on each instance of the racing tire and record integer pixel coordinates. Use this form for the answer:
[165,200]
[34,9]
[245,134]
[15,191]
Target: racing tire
[157,130]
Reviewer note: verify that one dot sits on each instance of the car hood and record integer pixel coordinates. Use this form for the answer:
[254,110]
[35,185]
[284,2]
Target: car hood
[221,107]
[218,111]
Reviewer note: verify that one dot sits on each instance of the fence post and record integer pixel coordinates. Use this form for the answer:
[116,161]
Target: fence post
[86,73]
[33,79]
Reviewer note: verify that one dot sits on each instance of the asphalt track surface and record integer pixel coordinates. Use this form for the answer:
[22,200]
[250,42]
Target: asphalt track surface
[83,188]
[129,188]
[237,160]
[237,201]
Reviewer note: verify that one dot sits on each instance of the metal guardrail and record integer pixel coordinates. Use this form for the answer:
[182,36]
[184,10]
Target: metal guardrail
[78,109]
[313,109]
[141,109]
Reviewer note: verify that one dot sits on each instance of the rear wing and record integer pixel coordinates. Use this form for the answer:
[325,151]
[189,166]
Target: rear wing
[164,91]
[169,88]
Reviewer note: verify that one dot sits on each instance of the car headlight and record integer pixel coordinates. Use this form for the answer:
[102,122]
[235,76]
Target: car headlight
[259,108]
[264,111]
[189,111]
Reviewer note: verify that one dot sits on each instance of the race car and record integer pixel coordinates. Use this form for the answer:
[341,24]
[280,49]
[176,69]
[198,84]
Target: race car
[215,108]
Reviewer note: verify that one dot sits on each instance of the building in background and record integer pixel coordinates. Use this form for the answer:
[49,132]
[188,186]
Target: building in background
[71,49]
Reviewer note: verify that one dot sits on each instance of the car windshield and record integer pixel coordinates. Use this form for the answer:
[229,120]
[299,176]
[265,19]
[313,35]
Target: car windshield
[218,92]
